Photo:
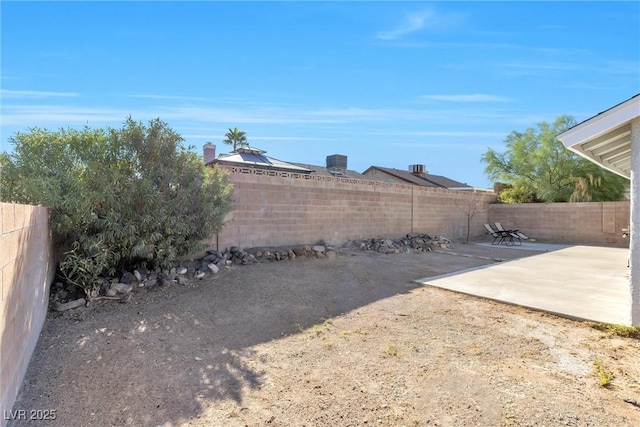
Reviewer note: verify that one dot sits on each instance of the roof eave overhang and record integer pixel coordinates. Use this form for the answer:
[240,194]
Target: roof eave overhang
[605,139]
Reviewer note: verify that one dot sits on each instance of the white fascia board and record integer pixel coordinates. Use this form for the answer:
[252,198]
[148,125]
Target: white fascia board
[601,123]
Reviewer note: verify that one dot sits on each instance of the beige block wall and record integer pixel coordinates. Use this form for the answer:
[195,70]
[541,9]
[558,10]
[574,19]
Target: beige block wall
[277,209]
[596,223]
[26,271]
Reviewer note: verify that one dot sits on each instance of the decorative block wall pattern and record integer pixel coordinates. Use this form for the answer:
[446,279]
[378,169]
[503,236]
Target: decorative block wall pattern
[281,208]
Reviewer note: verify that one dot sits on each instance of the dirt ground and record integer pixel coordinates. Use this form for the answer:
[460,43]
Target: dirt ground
[348,341]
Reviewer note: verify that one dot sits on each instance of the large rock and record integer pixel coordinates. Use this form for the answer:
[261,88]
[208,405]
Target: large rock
[128,278]
[299,251]
[318,248]
[211,257]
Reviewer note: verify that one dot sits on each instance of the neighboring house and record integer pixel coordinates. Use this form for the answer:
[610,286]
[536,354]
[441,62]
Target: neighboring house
[336,165]
[416,175]
[250,157]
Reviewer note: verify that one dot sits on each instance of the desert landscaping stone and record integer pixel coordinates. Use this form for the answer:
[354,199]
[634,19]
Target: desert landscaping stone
[122,288]
[71,305]
[164,280]
[212,261]
[299,251]
[150,282]
[128,278]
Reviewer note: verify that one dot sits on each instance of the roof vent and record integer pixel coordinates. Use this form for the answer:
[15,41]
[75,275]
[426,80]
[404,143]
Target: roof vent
[337,163]
[417,169]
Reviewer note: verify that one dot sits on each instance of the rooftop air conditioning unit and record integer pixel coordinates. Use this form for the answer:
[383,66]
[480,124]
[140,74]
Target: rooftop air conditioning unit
[417,169]
[337,162]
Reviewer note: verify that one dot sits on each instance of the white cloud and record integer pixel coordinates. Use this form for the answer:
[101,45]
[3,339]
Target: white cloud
[435,145]
[420,20]
[32,94]
[445,134]
[168,97]
[286,138]
[58,115]
[475,97]
[206,118]
[534,68]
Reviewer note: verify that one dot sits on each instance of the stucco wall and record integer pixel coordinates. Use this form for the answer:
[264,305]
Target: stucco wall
[635,223]
[274,209]
[26,271]
[577,223]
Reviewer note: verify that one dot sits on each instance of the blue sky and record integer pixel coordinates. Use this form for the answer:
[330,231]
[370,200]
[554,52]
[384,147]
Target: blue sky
[385,83]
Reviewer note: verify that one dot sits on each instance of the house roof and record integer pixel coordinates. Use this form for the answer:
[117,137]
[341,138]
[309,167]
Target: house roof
[322,170]
[606,137]
[254,157]
[425,179]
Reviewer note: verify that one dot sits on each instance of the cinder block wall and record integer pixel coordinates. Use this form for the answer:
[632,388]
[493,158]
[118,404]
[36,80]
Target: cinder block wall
[26,271]
[277,209]
[595,223]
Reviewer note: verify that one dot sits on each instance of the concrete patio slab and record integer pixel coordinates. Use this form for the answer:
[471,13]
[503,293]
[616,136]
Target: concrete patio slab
[580,282]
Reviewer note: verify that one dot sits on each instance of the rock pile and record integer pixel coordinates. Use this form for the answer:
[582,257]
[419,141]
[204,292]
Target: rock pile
[417,242]
[213,261]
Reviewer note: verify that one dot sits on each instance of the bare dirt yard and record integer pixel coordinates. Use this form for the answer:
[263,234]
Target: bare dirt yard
[348,341]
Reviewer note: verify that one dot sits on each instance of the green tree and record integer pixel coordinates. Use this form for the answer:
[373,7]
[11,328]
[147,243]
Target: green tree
[538,168]
[236,138]
[118,198]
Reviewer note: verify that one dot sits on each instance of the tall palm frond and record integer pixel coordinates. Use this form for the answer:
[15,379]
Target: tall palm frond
[236,138]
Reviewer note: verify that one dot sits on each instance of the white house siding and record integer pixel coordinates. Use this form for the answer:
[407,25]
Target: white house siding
[635,223]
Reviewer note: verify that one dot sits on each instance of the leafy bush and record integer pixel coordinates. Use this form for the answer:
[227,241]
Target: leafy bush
[538,168]
[118,198]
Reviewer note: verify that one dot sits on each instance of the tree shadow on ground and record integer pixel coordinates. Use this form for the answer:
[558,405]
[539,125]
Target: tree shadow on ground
[162,358]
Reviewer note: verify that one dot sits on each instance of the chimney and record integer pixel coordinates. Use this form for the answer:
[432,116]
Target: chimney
[209,152]
[417,170]
[337,163]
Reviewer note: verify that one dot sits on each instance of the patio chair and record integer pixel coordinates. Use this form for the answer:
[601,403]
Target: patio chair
[499,236]
[519,233]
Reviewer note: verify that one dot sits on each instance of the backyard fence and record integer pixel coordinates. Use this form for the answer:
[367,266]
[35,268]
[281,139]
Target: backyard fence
[283,208]
[594,223]
[26,272]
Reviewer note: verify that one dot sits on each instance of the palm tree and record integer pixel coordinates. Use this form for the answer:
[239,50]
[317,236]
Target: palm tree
[236,138]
